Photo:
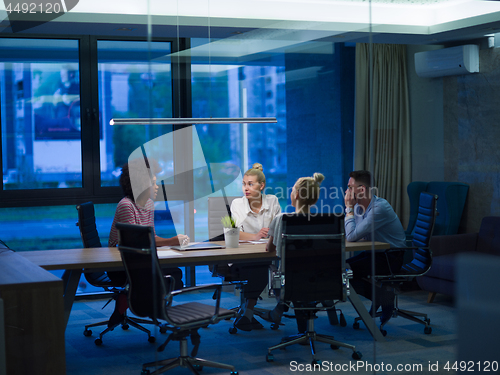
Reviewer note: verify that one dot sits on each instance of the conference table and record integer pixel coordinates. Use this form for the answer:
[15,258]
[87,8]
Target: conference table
[79,260]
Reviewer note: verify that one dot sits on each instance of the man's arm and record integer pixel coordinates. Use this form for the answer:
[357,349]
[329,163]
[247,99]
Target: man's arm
[374,219]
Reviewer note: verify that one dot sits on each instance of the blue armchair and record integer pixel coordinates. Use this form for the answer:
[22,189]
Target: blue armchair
[450,206]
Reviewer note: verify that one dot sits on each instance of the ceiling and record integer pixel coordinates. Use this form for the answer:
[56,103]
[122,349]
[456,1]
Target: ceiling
[251,26]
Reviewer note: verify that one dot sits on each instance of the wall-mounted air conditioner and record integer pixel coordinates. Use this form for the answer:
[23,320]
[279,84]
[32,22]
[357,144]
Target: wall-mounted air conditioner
[448,61]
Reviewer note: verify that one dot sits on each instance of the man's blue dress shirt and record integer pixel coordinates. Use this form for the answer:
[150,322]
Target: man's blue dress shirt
[379,218]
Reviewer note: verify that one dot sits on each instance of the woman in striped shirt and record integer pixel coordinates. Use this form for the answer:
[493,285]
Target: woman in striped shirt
[138,208]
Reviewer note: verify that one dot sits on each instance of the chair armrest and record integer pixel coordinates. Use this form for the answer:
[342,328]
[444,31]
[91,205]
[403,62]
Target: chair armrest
[453,244]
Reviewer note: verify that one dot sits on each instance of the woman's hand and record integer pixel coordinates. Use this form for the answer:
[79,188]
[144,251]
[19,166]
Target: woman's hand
[261,234]
[183,239]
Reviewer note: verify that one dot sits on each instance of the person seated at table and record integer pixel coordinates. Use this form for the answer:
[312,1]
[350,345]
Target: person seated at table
[138,182]
[253,213]
[366,214]
[305,194]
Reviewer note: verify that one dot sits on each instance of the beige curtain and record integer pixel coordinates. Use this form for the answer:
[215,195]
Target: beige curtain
[382,136]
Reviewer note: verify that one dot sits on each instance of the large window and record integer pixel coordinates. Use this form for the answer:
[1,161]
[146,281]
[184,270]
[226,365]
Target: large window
[40,114]
[135,81]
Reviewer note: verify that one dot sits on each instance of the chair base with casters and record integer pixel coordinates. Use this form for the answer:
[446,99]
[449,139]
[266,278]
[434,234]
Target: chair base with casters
[125,322]
[310,337]
[191,362]
[224,272]
[410,315]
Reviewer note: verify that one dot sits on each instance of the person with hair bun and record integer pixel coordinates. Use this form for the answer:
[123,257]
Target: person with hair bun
[253,213]
[305,194]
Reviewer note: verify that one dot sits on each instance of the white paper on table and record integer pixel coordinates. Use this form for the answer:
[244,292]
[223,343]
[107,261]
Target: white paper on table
[165,251]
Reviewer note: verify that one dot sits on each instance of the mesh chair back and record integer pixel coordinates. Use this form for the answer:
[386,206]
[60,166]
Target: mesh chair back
[313,257]
[217,208]
[146,282]
[426,217]
[87,225]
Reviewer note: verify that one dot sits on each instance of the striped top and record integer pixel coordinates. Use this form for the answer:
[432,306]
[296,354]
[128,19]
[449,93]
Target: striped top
[128,212]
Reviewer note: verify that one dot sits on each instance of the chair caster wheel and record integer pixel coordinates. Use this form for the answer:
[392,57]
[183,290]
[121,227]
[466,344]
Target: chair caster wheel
[274,326]
[357,356]
[198,367]
[145,372]
[87,333]
[234,372]
[428,330]
[233,330]
[152,339]
[269,357]
[355,325]
[98,342]
[334,347]
[125,326]
[383,332]
[163,329]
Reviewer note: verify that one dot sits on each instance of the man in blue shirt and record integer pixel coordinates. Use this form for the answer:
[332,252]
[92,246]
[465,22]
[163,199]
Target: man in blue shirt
[369,217]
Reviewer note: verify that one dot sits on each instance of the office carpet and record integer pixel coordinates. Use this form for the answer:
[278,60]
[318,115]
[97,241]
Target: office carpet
[407,349]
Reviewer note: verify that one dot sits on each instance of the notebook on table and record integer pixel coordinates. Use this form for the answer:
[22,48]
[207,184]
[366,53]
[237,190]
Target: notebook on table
[198,246]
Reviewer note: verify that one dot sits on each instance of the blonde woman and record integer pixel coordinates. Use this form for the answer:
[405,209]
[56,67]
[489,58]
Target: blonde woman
[305,194]
[253,213]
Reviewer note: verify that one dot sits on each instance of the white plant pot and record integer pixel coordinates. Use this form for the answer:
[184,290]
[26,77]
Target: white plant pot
[232,237]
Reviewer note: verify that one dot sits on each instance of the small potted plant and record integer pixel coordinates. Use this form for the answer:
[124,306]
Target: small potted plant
[231,231]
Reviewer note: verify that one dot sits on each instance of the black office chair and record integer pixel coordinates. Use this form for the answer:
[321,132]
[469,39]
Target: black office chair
[114,282]
[151,295]
[311,270]
[419,265]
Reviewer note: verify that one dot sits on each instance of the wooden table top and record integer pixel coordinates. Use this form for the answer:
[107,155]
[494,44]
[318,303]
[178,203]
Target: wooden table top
[109,257]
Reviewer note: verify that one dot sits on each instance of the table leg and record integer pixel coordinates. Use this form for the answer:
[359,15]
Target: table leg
[364,315]
[70,278]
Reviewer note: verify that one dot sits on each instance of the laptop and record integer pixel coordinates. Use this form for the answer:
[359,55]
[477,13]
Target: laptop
[198,246]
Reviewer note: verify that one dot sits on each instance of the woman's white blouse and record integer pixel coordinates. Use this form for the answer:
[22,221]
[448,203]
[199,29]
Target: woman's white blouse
[252,222]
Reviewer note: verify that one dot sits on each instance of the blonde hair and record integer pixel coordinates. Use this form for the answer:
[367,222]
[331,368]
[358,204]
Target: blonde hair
[257,171]
[308,189]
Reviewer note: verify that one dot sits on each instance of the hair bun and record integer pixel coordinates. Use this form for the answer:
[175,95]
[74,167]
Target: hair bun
[318,177]
[258,166]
